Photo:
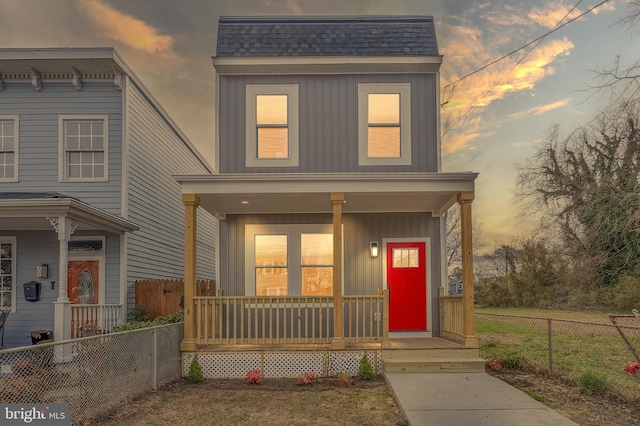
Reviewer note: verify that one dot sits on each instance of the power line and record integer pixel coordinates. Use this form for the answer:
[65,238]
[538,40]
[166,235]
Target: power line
[556,28]
[537,43]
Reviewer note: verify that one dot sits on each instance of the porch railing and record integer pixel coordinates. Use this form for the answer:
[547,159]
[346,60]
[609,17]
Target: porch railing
[286,319]
[89,320]
[451,317]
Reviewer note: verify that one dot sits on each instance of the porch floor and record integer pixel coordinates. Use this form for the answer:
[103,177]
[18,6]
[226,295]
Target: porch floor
[401,343]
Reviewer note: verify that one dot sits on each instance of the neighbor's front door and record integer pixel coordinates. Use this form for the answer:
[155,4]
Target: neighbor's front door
[83,281]
[407,283]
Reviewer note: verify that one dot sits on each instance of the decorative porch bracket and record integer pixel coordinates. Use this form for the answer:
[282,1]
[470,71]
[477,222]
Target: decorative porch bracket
[337,200]
[191,203]
[464,200]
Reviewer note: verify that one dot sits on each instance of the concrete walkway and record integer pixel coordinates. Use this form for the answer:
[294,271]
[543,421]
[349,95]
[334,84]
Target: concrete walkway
[476,399]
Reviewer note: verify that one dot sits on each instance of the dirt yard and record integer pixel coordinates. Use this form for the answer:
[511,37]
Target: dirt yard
[569,400]
[274,402]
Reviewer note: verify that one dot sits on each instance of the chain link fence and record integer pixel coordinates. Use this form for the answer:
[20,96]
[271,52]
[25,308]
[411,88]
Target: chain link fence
[94,375]
[570,347]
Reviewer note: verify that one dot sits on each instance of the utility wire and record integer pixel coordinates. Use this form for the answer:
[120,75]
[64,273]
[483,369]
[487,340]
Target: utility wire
[537,42]
[453,85]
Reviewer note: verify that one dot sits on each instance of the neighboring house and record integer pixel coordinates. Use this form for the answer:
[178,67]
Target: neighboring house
[328,186]
[455,287]
[86,159]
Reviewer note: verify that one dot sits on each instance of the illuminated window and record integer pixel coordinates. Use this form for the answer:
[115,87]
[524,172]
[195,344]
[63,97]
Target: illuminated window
[317,264]
[271,265]
[83,148]
[384,114]
[405,258]
[9,148]
[272,126]
[7,273]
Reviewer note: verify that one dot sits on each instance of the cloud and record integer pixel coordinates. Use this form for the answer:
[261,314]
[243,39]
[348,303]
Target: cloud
[538,110]
[126,29]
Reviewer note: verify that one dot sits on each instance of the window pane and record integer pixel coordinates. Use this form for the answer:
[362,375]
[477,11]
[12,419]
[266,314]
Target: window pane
[85,142]
[74,158]
[317,281]
[384,142]
[97,128]
[271,250]
[7,283]
[271,109]
[5,251]
[384,108]
[85,129]
[6,129]
[73,142]
[273,142]
[9,158]
[72,128]
[7,143]
[97,142]
[405,258]
[9,171]
[317,249]
[87,157]
[98,171]
[271,281]
[98,157]
[5,266]
[87,171]
[74,171]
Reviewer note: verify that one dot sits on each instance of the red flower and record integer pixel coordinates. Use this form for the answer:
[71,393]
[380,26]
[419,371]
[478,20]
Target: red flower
[494,366]
[632,367]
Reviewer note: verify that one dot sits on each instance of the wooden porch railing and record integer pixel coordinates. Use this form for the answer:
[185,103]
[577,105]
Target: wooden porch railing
[451,317]
[88,320]
[286,319]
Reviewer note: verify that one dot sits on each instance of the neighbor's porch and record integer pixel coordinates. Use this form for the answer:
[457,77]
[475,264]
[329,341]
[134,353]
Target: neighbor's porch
[285,320]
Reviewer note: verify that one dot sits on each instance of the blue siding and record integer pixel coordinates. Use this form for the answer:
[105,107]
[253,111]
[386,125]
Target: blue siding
[38,162]
[329,122]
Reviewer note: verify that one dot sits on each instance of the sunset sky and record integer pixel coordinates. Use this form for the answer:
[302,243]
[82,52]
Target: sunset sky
[492,121]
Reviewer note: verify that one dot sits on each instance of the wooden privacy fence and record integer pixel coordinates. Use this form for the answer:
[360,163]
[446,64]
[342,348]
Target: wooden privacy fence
[163,297]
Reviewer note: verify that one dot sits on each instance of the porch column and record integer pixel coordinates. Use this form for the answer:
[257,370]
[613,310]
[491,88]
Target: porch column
[62,306]
[337,200]
[465,199]
[191,203]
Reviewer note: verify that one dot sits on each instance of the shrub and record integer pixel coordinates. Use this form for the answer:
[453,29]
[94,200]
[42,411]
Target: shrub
[306,378]
[135,325]
[253,377]
[512,362]
[593,383]
[344,379]
[365,369]
[140,312]
[196,374]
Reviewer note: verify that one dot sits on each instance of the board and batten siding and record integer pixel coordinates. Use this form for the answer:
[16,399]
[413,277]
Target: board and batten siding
[328,116]
[34,248]
[156,153]
[362,273]
[38,150]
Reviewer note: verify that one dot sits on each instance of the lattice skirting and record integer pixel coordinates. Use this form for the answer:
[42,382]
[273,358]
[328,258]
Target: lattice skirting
[230,365]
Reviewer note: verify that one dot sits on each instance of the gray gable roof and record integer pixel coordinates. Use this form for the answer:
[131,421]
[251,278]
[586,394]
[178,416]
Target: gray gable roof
[327,36]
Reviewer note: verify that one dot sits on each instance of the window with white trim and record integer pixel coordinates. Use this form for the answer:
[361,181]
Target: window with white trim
[8,273]
[384,124]
[9,126]
[84,148]
[289,260]
[272,126]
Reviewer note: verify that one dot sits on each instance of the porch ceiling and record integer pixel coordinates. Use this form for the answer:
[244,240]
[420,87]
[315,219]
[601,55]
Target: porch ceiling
[23,211]
[311,193]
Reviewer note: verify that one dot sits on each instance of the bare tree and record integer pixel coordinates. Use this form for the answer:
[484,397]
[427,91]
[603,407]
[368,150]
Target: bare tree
[454,237]
[588,184]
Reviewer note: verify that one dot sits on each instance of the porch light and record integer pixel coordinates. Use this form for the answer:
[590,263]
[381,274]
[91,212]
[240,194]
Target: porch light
[42,271]
[373,246]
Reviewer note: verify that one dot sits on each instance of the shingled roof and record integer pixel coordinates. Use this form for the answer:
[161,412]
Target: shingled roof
[326,36]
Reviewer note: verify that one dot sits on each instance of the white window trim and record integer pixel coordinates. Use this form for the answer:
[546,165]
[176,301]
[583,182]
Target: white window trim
[62,161]
[404,89]
[14,255]
[294,261]
[291,90]
[16,145]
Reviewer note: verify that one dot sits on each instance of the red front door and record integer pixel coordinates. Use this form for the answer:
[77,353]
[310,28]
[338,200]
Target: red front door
[82,281]
[407,283]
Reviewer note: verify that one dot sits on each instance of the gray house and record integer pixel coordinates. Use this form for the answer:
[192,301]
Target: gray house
[328,188]
[87,201]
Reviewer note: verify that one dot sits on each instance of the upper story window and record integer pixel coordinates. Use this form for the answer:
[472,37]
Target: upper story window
[83,148]
[384,124]
[272,126]
[9,148]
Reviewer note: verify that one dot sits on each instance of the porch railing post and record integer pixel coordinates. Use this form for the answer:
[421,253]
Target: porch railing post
[191,203]
[385,319]
[337,200]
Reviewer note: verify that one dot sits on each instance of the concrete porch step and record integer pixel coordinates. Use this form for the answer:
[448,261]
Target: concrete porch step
[433,365]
